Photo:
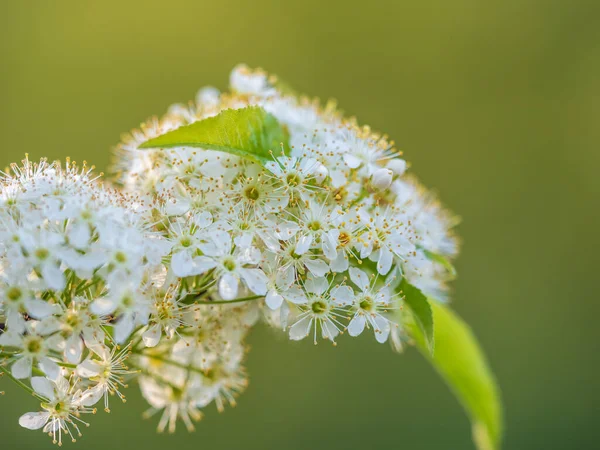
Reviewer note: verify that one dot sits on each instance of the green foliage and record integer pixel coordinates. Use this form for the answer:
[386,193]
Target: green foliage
[443,261]
[421,312]
[461,362]
[248,132]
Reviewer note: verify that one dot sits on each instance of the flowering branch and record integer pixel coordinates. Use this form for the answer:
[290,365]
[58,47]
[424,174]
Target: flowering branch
[234,199]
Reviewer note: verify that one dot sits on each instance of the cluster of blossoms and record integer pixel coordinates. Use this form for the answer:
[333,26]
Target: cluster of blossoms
[160,278]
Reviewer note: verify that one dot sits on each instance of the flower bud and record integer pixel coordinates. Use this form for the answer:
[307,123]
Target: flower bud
[398,166]
[382,179]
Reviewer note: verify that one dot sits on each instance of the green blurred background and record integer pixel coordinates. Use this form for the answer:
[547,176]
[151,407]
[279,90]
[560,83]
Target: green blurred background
[496,104]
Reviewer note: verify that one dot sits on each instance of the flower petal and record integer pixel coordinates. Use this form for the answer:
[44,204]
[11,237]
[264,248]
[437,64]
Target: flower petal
[359,278]
[300,329]
[44,387]
[273,300]
[342,295]
[22,368]
[255,279]
[356,325]
[152,336]
[34,420]
[228,286]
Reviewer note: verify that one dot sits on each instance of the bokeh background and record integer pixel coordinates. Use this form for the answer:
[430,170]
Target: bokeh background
[496,104]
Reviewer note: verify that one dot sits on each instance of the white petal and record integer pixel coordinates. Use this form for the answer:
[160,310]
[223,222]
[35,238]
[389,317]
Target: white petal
[329,246]
[181,263]
[273,300]
[352,161]
[89,369]
[317,267]
[296,296]
[340,264]
[286,230]
[92,396]
[34,421]
[43,386]
[316,285]
[270,241]
[228,286]
[22,368]
[10,339]
[356,325]
[74,349]
[202,264]
[284,278]
[38,309]
[103,306]
[385,261]
[50,368]
[152,336]
[79,235]
[300,329]
[359,278]
[255,279]
[203,219]
[303,244]
[244,240]
[53,277]
[284,312]
[342,295]
[329,330]
[123,328]
[338,178]
[383,329]
[48,325]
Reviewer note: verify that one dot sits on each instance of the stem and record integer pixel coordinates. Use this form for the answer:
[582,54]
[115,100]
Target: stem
[226,302]
[21,384]
[153,375]
[171,362]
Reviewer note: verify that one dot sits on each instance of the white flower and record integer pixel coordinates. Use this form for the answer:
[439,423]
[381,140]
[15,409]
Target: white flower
[32,347]
[247,81]
[299,177]
[61,406]
[106,368]
[19,300]
[296,259]
[167,316]
[174,404]
[370,305]
[389,235]
[320,311]
[232,266]
[382,179]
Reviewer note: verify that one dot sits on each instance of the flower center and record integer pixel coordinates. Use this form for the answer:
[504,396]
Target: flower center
[120,257]
[14,294]
[293,179]
[34,345]
[252,193]
[185,241]
[42,254]
[319,307]
[229,264]
[366,304]
[127,301]
[73,320]
[315,225]
[344,238]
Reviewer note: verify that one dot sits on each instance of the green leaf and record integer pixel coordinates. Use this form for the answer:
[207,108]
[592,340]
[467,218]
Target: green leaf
[421,312]
[461,362]
[443,261]
[249,132]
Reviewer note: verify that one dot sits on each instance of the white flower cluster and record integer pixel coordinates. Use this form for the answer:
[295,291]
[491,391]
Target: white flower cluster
[162,279]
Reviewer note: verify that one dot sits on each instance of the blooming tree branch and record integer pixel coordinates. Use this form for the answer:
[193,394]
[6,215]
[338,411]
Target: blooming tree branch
[248,206]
